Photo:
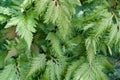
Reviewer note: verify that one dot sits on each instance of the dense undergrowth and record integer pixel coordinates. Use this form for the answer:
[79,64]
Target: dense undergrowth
[59,39]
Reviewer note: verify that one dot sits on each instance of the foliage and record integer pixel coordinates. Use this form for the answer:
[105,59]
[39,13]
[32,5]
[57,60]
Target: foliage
[58,39]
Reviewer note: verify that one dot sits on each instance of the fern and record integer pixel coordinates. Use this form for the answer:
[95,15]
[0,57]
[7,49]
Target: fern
[58,39]
[90,72]
[73,67]
[9,73]
[25,26]
[55,44]
[53,71]
[38,64]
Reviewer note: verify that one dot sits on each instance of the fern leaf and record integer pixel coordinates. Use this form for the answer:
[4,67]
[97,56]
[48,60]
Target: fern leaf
[38,64]
[55,43]
[103,25]
[58,71]
[26,3]
[41,6]
[66,10]
[65,30]
[13,22]
[50,12]
[112,35]
[87,72]
[53,71]
[91,49]
[72,68]
[58,13]
[9,73]
[25,26]
[104,61]
[75,2]
[5,11]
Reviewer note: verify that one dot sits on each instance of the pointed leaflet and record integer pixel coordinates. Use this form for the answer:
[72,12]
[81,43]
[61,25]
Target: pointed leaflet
[66,10]
[73,67]
[5,11]
[50,71]
[103,24]
[50,12]
[53,71]
[24,26]
[26,3]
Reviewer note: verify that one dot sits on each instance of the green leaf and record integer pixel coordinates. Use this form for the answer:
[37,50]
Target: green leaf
[38,64]
[53,71]
[73,67]
[5,11]
[41,5]
[26,3]
[55,43]
[91,49]
[9,73]
[24,26]
[90,72]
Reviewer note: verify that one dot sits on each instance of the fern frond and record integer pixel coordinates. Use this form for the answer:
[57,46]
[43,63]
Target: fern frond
[104,61]
[90,72]
[72,68]
[26,3]
[50,13]
[55,43]
[38,64]
[53,71]
[66,10]
[59,13]
[41,6]
[5,11]
[25,26]
[113,34]
[103,24]
[91,49]
[58,71]
[50,71]
[9,73]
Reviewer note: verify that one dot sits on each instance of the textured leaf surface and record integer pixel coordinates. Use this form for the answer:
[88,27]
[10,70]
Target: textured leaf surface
[9,73]
[24,26]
